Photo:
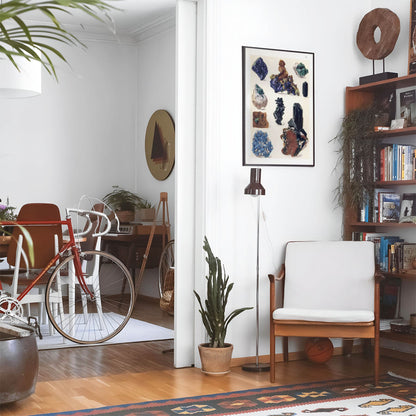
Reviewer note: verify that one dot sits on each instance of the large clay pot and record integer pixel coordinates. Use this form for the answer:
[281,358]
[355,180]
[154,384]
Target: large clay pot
[19,365]
[215,361]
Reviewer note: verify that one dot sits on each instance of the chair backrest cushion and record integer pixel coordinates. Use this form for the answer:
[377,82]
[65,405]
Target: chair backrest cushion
[335,275]
[43,236]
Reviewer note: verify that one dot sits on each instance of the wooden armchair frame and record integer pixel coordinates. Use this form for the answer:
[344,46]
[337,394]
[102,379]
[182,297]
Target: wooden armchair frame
[286,328]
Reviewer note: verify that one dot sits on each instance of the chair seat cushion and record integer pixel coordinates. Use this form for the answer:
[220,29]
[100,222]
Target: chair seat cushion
[323,315]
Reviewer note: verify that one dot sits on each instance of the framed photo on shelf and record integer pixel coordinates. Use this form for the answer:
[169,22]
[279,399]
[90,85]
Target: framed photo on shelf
[408,208]
[412,38]
[406,105]
[278,107]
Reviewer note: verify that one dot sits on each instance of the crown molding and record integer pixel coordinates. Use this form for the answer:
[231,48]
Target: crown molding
[107,33]
[154,28]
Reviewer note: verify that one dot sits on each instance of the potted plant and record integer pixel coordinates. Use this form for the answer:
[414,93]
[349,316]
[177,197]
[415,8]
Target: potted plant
[123,202]
[216,355]
[6,214]
[145,211]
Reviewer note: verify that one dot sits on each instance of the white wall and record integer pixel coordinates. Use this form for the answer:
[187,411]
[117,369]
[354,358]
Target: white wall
[299,201]
[155,91]
[78,136]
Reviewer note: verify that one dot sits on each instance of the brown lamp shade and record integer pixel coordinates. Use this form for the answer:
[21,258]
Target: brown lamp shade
[255,187]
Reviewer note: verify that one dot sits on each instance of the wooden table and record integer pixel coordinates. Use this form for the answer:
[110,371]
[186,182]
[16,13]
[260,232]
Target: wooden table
[130,248]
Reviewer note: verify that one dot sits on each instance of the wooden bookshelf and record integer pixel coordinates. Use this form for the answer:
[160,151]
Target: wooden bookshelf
[363,96]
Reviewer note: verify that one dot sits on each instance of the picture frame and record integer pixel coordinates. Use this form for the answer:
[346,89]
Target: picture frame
[278,107]
[412,38]
[406,105]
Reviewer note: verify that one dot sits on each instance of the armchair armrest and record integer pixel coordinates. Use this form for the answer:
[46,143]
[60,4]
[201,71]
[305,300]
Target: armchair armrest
[273,278]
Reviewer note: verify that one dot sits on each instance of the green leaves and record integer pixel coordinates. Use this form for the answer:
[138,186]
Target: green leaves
[33,41]
[213,309]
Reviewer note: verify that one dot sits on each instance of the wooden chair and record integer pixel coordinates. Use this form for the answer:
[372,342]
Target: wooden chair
[330,289]
[46,241]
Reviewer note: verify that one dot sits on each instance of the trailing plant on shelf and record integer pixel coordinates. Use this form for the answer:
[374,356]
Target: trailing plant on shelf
[357,155]
[213,310]
[37,41]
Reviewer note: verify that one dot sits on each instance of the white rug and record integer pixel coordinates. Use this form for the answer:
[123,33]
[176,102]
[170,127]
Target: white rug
[134,331]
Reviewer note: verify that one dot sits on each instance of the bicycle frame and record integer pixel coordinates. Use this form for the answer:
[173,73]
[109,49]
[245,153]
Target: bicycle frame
[70,245]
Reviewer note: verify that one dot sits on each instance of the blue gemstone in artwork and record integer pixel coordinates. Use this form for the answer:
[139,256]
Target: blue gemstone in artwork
[305,89]
[260,68]
[262,146]
[301,70]
[280,109]
[298,116]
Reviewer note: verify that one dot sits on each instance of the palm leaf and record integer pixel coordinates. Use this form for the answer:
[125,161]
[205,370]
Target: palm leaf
[28,40]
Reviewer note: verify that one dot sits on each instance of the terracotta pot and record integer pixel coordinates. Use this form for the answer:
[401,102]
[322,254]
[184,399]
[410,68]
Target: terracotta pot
[146,214]
[215,361]
[125,216]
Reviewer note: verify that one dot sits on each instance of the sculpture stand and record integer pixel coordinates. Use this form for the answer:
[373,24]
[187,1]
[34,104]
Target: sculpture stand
[381,76]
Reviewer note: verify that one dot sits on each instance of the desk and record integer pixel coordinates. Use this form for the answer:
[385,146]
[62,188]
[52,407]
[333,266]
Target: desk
[130,248]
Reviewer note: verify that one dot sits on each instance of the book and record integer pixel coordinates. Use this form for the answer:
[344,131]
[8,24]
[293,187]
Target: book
[408,256]
[408,208]
[408,107]
[389,207]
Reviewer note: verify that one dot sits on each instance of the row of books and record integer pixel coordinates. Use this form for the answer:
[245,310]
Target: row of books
[397,162]
[389,206]
[392,253]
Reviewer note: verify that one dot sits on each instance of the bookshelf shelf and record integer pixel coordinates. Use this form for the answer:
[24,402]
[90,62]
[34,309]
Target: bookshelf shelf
[408,131]
[383,224]
[381,184]
[402,275]
[360,97]
[408,338]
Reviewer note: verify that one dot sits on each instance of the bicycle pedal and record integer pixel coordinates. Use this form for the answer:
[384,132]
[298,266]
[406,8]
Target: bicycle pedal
[35,325]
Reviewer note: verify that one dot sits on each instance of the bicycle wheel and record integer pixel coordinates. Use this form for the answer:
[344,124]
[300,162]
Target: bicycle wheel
[84,319]
[167,261]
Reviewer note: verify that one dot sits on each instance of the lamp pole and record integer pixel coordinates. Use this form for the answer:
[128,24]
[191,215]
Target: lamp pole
[256,189]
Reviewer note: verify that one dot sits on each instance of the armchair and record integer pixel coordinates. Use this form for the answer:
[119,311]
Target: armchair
[330,289]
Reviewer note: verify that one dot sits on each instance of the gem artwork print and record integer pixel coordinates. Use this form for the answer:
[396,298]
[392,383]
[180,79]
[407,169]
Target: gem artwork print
[278,107]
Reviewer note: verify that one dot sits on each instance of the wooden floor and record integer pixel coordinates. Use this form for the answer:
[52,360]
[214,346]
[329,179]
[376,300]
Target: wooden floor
[88,377]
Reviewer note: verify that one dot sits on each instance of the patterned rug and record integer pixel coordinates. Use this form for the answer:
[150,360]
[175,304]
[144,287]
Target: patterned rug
[348,397]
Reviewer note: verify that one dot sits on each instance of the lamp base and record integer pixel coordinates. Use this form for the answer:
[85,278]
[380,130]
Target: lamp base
[254,367]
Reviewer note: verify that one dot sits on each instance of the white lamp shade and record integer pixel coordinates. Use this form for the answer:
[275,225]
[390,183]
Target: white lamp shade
[20,84]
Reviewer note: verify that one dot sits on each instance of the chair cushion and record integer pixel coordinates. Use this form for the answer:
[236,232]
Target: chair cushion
[329,274]
[323,315]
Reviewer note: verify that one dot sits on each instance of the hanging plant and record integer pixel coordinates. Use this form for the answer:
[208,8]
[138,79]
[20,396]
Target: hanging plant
[358,156]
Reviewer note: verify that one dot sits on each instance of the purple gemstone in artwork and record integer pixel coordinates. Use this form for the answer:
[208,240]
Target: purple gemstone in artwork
[260,68]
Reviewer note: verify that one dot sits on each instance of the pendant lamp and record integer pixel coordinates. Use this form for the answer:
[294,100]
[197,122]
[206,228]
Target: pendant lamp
[20,83]
[256,189]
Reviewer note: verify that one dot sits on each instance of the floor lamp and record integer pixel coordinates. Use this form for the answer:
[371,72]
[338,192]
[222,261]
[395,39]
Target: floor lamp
[256,189]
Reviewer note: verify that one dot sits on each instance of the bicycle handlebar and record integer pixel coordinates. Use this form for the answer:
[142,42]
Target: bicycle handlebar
[88,214]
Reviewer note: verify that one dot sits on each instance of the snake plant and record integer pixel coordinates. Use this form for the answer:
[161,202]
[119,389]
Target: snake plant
[34,41]
[218,289]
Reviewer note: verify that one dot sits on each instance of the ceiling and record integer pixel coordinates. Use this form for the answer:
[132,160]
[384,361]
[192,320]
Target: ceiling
[130,17]
[138,14]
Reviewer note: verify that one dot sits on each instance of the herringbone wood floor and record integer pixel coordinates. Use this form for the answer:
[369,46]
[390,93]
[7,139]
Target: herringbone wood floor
[79,378]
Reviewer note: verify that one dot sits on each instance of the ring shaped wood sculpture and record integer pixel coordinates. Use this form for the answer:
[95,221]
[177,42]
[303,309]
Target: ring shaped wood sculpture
[389,25]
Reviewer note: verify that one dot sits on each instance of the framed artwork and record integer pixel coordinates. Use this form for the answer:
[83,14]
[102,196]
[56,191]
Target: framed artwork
[278,107]
[160,144]
[412,38]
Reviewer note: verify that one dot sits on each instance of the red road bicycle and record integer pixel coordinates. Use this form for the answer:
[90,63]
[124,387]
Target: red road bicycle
[89,295]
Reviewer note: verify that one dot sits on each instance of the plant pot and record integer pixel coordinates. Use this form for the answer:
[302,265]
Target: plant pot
[145,214]
[215,361]
[19,364]
[4,244]
[125,216]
